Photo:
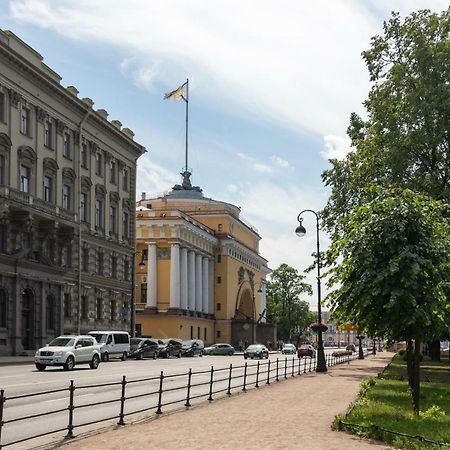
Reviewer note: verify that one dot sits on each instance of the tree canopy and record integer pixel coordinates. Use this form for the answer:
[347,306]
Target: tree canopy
[284,307]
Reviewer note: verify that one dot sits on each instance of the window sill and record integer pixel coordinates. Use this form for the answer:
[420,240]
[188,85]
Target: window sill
[68,157]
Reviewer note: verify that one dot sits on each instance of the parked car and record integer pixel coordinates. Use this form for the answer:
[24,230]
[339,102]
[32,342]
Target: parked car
[169,347]
[113,344]
[68,351]
[306,350]
[144,348]
[351,347]
[219,349]
[256,351]
[288,349]
[192,347]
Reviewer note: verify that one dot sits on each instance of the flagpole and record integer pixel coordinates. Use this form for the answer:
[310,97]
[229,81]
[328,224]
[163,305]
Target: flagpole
[187,122]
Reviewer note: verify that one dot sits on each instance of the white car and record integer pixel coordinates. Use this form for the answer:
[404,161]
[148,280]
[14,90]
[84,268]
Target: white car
[67,351]
[113,344]
[288,349]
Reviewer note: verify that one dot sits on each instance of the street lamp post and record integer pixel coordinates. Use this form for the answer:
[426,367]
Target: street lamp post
[254,313]
[133,288]
[301,231]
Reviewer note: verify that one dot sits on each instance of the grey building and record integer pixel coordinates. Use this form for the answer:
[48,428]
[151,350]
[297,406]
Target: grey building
[67,191]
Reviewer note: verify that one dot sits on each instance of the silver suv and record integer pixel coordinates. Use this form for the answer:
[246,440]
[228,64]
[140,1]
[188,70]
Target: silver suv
[67,351]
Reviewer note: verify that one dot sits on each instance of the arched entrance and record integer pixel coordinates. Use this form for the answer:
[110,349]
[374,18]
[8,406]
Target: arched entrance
[243,325]
[27,319]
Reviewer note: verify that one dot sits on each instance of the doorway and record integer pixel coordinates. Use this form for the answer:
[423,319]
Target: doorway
[27,319]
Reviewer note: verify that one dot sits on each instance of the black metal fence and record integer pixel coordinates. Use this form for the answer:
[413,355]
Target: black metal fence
[161,392]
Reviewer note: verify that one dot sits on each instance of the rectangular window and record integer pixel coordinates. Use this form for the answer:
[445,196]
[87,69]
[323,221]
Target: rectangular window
[219,227]
[113,219]
[100,263]
[25,175]
[99,309]
[192,332]
[198,333]
[112,309]
[126,179]
[85,259]
[67,306]
[218,333]
[113,266]
[126,269]
[143,292]
[219,306]
[67,197]
[98,214]
[219,280]
[84,156]
[2,107]
[67,146]
[219,258]
[48,134]
[48,189]
[3,236]
[113,171]
[126,224]
[99,165]
[25,121]
[83,207]
[84,307]
[2,170]
[204,335]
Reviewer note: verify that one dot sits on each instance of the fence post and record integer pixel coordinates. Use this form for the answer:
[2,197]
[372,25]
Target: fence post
[161,378]
[299,371]
[257,375]
[268,372]
[348,359]
[285,367]
[122,402]
[229,380]
[70,408]
[2,403]
[245,377]
[277,372]
[211,380]
[188,395]
[310,362]
[293,365]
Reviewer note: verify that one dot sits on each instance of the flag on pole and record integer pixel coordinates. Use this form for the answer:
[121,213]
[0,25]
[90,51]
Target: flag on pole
[178,94]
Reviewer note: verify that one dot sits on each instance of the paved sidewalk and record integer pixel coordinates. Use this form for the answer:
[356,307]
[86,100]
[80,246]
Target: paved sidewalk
[292,414]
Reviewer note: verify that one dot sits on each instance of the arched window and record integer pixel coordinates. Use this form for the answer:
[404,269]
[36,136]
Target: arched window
[3,308]
[68,188]
[5,149]
[50,169]
[27,169]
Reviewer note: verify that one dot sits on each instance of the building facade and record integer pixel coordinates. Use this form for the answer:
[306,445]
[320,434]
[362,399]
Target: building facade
[67,200]
[199,274]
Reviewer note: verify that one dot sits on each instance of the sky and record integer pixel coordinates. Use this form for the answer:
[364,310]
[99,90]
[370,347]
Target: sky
[272,85]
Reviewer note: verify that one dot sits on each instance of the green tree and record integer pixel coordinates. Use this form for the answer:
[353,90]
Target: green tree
[404,141]
[394,273]
[284,307]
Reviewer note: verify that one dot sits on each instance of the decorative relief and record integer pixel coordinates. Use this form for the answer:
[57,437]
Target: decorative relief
[15,98]
[163,253]
[60,126]
[69,173]
[126,202]
[41,114]
[114,197]
[100,189]
[241,274]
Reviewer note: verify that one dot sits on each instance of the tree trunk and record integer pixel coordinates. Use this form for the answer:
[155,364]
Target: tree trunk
[435,350]
[416,377]
[409,362]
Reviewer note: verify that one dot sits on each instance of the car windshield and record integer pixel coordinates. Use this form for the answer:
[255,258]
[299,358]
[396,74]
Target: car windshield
[135,342]
[99,337]
[253,347]
[306,346]
[188,343]
[62,342]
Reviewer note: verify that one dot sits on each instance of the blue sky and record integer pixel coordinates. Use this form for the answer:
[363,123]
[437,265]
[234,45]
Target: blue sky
[272,86]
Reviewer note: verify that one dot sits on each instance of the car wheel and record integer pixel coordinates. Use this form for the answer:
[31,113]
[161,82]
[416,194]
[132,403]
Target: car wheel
[167,355]
[230,353]
[155,355]
[40,367]
[245,357]
[200,354]
[124,356]
[95,362]
[70,363]
[105,357]
[141,356]
[179,355]
[261,356]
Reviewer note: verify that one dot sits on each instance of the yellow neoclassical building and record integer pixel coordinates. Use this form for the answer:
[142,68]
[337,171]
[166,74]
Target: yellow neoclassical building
[203,276]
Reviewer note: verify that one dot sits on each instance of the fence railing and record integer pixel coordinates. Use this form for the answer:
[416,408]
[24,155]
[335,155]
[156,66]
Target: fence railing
[160,392]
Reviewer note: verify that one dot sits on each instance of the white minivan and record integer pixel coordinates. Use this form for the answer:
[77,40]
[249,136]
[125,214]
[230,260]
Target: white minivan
[113,344]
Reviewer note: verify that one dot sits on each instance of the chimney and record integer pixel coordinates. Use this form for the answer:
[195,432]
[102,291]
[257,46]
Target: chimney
[143,196]
[88,101]
[73,90]
[103,113]
[117,124]
[128,132]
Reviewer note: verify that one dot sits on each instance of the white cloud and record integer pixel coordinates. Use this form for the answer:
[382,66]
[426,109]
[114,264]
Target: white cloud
[336,147]
[143,76]
[280,162]
[258,166]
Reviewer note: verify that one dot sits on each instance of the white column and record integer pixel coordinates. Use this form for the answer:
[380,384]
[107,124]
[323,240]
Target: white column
[183,278]
[198,283]
[211,308]
[262,301]
[191,280]
[205,285]
[152,277]
[175,275]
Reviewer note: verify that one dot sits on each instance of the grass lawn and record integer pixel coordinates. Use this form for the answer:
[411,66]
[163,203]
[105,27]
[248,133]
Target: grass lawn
[386,402]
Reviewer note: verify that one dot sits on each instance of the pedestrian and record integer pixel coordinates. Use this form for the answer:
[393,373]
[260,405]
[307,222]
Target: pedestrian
[241,345]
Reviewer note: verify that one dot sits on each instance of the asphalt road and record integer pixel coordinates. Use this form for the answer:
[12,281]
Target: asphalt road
[141,391]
